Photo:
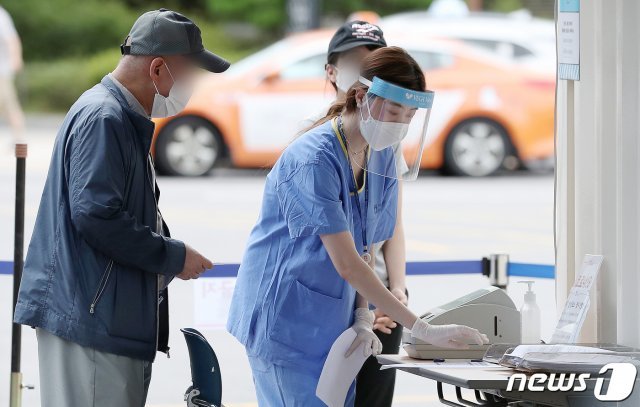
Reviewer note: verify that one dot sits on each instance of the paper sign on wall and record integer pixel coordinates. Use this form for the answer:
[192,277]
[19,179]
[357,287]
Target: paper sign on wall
[577,305]
[569,40]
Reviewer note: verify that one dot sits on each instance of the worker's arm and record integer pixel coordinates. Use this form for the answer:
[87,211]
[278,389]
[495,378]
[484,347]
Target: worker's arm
[362,302]
[358,273]
[394,251]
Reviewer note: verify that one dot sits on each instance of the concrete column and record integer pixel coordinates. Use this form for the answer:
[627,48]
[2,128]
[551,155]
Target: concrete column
[598,186]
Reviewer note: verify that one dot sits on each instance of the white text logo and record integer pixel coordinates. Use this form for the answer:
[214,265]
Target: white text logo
[623,377]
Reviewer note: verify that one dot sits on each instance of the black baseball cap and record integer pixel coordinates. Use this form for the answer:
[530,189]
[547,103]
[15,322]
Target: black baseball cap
[355,34]
[166,32]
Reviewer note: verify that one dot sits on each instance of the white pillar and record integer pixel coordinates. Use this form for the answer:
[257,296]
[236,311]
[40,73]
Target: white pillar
[598,186]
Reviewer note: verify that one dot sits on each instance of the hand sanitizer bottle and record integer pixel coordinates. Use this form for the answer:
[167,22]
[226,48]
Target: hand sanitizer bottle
[530,317]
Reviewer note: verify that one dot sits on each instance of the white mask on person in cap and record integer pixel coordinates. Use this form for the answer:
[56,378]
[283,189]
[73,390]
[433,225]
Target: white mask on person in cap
[179,96]
[346,77]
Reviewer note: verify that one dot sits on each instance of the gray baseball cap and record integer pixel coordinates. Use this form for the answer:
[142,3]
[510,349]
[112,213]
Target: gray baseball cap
[165,32]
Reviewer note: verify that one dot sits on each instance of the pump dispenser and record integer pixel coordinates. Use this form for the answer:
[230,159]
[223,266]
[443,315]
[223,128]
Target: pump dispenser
[530,316]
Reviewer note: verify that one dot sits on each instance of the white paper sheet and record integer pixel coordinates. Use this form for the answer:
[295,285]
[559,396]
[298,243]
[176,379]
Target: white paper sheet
[339,372]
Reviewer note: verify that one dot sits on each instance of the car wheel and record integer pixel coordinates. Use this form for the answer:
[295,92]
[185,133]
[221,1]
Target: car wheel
[476,148]
[188,146]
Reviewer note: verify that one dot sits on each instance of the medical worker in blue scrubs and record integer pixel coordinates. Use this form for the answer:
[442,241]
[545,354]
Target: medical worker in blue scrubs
[307,273]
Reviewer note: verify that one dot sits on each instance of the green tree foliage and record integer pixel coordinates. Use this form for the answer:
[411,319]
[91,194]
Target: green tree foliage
[502,5]
[382,7]
[272,14]
[54,29]
[266,14]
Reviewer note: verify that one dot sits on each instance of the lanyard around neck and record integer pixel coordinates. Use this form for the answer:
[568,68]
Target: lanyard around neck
[354,189]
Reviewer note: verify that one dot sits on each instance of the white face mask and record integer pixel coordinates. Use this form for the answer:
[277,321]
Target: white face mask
[345,77]
[380,135]
[179,96]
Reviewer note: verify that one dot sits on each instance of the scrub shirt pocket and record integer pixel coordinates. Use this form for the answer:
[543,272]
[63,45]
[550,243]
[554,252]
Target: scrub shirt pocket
[309,321]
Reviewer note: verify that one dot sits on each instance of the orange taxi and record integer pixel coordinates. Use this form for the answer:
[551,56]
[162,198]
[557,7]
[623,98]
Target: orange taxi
[488,113]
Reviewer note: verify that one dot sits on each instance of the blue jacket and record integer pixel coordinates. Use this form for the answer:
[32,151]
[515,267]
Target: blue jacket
[91,271]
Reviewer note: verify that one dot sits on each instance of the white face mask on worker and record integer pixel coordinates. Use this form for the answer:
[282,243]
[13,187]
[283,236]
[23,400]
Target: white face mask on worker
[380,134]
[171,105]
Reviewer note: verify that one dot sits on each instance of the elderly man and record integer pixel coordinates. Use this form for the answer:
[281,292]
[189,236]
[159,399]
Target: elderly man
[95,277]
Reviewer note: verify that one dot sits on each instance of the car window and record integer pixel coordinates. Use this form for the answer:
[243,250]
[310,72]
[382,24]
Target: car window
[486,44]
[429,61]
[255,60]
[521,52]
[307,68]
[507,49]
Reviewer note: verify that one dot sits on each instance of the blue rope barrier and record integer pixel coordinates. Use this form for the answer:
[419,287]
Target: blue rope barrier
[414,268]
[531,270]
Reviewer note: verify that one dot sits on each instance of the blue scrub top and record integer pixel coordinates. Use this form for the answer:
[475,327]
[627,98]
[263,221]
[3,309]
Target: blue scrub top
[289,303]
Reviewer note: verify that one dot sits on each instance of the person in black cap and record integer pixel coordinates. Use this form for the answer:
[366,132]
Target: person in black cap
[101,256]
[351,43]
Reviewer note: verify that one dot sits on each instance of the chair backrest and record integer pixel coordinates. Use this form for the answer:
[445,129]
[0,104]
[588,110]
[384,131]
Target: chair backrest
[205,369]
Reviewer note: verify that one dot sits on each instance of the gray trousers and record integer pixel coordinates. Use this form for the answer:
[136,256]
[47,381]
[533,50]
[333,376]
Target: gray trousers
[72,375]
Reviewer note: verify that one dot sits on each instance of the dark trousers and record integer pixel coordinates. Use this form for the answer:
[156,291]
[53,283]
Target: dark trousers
[374,387]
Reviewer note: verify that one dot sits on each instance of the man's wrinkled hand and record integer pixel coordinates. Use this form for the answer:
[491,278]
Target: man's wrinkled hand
[194,264]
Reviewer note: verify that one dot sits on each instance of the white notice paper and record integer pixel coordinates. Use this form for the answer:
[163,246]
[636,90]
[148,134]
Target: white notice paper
[211,301]
[577,305]
[339,372]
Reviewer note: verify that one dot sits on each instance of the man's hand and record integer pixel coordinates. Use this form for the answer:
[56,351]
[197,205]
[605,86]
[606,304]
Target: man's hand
[194,264]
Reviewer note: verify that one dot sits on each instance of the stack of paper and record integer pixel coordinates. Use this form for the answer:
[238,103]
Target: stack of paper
[564,358]
[514,357]
[572,362]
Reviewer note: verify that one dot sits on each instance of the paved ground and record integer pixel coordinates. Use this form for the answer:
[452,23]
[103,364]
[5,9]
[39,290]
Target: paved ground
[446,219]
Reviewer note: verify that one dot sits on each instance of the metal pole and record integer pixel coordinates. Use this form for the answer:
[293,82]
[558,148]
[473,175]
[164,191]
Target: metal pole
[15,394]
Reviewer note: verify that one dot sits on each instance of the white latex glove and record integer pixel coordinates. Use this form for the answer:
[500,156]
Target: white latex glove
[448,336]
[363,325]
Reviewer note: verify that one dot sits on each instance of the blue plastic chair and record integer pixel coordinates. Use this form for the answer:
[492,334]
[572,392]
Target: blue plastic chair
[206,388]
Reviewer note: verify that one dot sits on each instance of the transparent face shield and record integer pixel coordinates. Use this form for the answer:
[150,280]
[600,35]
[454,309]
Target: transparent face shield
[393,122]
